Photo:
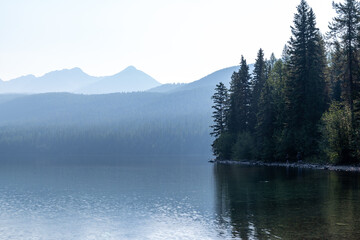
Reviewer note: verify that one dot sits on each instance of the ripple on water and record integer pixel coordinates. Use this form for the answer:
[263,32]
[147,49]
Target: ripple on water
[68,215]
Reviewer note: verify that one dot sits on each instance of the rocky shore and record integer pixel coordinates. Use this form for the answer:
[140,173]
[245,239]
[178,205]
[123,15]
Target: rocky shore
[294,165]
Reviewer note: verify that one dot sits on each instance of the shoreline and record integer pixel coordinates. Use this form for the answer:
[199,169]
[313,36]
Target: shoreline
[303,165]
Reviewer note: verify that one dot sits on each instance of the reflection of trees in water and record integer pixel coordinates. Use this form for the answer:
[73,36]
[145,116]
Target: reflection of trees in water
[343,205]
[263,202]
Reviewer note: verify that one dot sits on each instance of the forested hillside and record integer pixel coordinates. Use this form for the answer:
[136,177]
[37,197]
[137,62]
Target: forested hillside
[172,119]
[302,106]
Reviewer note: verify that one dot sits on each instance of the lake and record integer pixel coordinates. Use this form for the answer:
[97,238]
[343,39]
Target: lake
[170,197]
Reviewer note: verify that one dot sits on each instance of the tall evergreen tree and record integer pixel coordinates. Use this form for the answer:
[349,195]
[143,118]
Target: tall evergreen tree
[221,101]
[258,80]
[346,26]
[223,139]
[269,65]
[305,85]
[240,94]
[265,123]
[271,118]
[272,60]
[297,64]
[316,65]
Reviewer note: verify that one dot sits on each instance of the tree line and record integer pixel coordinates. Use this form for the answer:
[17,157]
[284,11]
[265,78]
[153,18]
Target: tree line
[139,123]
[302,106]
[143,137]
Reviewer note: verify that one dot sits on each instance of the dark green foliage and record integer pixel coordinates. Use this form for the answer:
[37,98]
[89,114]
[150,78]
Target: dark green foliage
[336,73]
[237,114]
[258,80]
[337,134]
[221,102]
[290,97]
[222,146]
[277,85]
[271,116]
[240,94]
[295,88]
[266,123]
[346,26]
[305,85]
[345,36]
[244,147]
[222,142]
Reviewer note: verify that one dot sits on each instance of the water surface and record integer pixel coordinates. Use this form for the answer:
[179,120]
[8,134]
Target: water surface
[173,198]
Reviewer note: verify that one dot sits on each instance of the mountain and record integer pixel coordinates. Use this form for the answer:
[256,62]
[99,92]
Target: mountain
[163,101]
[76,81]
[128,80]
[168,119]
[208,82]
[57,81]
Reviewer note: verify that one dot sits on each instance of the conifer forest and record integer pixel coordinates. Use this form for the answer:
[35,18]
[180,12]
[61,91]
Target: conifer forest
[304,105]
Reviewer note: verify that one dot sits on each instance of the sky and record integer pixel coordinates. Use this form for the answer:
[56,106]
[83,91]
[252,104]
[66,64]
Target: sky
[171,40]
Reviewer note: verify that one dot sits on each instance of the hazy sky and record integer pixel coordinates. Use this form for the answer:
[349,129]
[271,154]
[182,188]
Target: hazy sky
[172,40]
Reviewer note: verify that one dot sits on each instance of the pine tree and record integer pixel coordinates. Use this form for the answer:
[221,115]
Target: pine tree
[297,65]
[221,101]
[346,26]
[223,139]
[305,85]
[240,94]
[265,123]
[258,80]
[315,96]
[272,60]
[271,118]
[269,65]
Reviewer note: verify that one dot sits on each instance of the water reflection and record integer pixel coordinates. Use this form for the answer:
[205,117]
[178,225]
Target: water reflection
[138,198]
[271,203]
[170,198]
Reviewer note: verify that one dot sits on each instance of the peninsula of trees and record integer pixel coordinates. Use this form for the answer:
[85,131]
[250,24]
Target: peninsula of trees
[305,105]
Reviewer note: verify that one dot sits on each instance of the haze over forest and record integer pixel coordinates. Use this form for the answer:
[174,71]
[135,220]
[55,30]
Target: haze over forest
[68,111]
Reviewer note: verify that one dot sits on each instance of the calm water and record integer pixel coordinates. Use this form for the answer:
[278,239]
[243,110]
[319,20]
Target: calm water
[148,198]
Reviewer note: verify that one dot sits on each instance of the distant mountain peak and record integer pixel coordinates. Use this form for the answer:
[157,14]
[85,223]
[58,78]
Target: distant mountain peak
[77,70]
[128,80]
[65,72]
[130,68]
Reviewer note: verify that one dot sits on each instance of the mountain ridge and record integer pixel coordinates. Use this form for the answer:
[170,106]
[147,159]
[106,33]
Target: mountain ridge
[174,120]
[130,79]
[111,84]
[74,79]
